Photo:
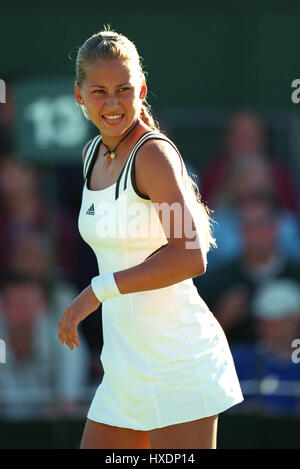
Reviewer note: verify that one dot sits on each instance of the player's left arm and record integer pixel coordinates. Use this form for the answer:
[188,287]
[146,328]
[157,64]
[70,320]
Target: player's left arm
[159,175]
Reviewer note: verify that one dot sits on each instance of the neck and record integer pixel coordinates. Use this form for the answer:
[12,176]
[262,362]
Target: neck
[109,141]
[112,142]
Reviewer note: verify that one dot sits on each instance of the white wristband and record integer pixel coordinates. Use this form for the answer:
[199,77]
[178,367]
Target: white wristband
[104,286]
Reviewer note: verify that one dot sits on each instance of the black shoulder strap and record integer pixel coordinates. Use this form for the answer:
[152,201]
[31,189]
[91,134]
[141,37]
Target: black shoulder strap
[130,165]
[126,167]
[89,154]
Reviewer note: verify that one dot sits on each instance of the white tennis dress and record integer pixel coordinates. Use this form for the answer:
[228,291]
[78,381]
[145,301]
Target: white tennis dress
[166,359]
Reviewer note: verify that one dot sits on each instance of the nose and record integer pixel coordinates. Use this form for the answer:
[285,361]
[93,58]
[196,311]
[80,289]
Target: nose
[112,101]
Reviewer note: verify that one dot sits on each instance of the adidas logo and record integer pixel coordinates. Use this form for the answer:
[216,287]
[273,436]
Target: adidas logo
[91,210]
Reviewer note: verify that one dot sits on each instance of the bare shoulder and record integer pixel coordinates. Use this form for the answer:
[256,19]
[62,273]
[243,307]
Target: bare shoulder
[158,168]
[158,154]
[85,149]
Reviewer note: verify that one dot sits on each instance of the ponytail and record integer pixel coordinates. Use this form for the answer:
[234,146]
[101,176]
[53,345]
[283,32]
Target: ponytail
[202,213]
[147,118]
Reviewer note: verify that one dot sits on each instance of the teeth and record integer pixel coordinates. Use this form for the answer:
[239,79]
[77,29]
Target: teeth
[113,117]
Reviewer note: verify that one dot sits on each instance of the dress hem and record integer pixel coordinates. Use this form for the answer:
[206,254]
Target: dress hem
[216,411]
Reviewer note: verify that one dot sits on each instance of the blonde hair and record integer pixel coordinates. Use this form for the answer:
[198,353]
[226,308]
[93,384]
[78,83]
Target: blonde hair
[108,44]
[202,214]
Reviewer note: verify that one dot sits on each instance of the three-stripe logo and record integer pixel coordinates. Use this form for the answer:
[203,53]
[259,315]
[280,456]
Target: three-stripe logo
[91,210]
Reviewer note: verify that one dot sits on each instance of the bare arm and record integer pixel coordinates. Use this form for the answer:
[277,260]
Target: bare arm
[158,170]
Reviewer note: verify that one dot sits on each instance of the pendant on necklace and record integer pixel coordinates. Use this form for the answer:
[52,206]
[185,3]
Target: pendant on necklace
[112,155]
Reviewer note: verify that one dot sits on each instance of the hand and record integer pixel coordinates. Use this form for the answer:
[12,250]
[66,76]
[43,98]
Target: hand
[83,305]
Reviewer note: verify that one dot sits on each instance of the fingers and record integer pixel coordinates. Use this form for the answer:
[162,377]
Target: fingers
[83,305]
[67,330]
[69,338]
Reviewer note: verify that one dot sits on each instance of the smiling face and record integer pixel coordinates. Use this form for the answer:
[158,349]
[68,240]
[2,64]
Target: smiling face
[112,93]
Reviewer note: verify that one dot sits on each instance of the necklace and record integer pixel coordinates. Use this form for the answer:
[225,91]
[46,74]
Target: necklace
[112,153]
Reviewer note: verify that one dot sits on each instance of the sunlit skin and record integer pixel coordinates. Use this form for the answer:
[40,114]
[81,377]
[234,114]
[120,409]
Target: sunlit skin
[111,89]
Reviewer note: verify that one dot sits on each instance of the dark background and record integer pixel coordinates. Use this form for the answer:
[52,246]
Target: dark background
[214,55]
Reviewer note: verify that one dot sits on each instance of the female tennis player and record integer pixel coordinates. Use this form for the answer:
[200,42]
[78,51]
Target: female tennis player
[168,370]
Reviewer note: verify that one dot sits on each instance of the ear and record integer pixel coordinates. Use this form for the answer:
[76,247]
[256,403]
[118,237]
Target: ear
[77,94]
[143,91]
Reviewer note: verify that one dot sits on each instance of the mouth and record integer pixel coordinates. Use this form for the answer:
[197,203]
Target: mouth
[112,119]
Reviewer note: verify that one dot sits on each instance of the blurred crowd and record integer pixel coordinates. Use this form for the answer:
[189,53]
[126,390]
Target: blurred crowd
[41,256]
[252,284]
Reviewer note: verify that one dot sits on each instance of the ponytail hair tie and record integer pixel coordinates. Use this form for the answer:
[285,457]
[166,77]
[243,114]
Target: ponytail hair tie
[94,41]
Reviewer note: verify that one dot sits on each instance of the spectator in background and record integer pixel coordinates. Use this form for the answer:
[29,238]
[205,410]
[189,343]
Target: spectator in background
[31,254]
[38,371]
[269,377]
[229,289]
[23,208]
[246,134]
[250,179]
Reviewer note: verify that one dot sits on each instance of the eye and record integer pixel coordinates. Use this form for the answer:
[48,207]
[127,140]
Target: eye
[98,91]
[124,88]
